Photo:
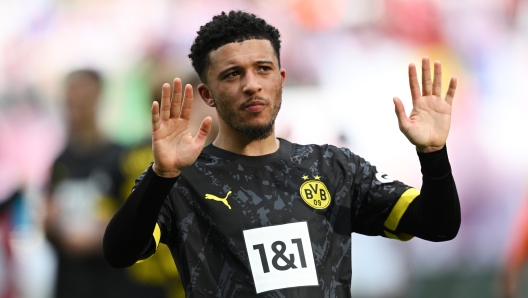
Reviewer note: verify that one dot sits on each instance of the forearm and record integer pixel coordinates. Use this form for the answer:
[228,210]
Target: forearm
[129,234]
[435,214]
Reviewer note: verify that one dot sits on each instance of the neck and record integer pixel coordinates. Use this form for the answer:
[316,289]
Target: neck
[234,141]
[85,138]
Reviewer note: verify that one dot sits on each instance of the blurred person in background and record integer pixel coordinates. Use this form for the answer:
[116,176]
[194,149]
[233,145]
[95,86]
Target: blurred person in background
[83,194]
[7,283]
[160,269]
[29,144]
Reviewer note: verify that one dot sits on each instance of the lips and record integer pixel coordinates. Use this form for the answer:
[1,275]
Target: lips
[254,106]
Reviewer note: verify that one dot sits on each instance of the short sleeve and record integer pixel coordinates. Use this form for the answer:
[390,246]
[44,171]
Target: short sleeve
[381,202]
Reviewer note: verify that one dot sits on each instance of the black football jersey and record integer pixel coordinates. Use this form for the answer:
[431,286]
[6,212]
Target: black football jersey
[85,187]
[277,225]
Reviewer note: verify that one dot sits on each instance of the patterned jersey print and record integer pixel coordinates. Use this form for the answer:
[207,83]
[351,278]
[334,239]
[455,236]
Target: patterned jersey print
[224,195]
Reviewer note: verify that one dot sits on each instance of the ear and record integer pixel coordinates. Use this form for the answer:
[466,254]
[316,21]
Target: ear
[206,95]
[283,75]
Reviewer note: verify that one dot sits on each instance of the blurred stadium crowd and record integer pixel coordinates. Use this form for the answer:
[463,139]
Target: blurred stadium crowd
[345,60]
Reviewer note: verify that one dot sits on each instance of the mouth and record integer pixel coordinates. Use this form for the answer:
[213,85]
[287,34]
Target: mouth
[254,105]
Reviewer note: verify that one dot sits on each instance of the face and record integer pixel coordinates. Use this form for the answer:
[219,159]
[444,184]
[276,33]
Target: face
[245,85]
[82,94]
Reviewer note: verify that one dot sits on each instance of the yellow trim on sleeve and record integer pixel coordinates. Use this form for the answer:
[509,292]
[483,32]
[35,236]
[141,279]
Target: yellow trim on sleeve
[400,236]
[397,212]
[157,235]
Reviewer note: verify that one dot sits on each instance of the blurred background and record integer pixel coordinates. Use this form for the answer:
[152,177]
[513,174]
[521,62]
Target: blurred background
[345,61]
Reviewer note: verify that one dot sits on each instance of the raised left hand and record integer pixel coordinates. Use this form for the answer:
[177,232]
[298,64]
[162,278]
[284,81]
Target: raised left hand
[427,127]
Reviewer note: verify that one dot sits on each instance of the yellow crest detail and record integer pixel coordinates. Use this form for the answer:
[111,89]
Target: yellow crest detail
[223,200]
[315,193]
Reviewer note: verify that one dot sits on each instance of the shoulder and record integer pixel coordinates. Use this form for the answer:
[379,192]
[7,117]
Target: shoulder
[112,148]
[64,155]
[322,151]
[109,155]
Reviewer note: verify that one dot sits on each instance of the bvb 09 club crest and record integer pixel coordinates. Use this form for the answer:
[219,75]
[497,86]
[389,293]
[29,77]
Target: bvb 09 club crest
[315,193]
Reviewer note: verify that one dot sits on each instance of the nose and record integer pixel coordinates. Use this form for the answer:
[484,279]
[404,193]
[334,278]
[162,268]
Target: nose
[251,84]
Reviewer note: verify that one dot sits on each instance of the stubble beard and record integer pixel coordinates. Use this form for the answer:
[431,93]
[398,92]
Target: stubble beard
[253,132]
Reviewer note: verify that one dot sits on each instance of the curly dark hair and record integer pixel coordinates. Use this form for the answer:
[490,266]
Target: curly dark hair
[236,26]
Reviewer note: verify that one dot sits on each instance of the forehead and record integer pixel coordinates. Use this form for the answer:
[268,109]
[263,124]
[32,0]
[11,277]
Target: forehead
[81,80]
[236,53]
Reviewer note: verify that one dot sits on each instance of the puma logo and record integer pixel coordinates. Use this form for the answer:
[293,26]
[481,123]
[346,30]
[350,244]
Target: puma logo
[223,200]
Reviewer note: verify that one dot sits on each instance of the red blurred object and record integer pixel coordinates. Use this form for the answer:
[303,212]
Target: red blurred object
[415,21]
[318,15]
[517,252]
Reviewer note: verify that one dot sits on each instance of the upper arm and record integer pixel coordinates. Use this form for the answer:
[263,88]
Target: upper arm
[153,244]
[161,232]
[381,203]
[398,210]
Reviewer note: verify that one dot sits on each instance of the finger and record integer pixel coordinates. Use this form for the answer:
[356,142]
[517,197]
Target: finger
[155,116]
[202,134]
[165,102]
[437,80]
[187,103]
[400,113]
[451,91]
[413,82]
[427,84]
[176,98]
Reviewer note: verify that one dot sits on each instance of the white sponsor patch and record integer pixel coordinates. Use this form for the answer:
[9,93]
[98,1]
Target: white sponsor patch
[384,178]
[281,256]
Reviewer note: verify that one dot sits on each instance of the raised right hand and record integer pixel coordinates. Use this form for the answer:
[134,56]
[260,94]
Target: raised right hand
[173,146]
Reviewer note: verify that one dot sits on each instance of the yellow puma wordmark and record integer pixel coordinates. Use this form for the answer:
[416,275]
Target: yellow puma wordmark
[223,200]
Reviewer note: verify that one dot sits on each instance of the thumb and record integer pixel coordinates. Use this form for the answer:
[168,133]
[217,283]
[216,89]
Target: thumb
[203,132]
[400,113]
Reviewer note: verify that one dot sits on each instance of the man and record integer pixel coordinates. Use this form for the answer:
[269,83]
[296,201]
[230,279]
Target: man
[255,216]
[83,195]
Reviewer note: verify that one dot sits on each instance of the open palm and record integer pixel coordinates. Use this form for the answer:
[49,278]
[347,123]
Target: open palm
[427,127]
[173,146]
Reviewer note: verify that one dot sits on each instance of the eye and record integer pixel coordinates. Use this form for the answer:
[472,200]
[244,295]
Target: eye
[264,68]
[232,74]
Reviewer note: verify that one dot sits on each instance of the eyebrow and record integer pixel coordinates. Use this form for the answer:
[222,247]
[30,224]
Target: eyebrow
[225,71]
[264,62]
[234,67]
